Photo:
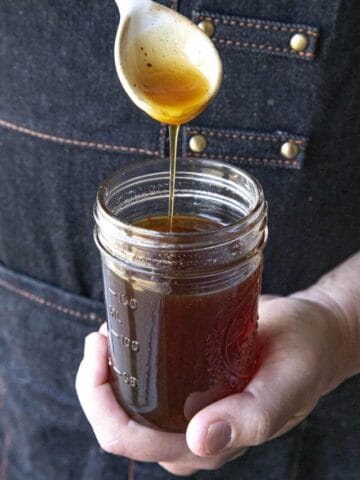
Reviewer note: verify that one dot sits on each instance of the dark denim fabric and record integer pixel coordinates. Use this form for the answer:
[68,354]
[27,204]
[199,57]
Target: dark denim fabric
[65,123]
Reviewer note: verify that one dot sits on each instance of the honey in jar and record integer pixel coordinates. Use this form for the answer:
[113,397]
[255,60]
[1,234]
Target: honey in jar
[181,305]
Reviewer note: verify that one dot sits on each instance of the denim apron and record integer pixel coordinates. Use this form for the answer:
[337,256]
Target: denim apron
[288,112]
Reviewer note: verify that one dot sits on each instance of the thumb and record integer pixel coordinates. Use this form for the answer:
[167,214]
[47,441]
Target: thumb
[282,388]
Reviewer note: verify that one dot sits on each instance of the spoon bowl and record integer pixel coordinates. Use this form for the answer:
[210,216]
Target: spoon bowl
[166,64]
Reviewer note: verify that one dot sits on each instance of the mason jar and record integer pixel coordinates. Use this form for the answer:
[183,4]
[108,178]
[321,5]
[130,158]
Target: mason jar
[181,304]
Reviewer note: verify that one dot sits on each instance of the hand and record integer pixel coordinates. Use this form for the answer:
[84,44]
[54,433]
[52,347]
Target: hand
[301,349]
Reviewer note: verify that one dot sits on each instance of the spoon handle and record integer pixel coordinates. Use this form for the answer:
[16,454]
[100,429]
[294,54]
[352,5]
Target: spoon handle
[126,7]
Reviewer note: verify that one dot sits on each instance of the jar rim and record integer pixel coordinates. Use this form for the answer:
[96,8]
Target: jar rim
[103,213]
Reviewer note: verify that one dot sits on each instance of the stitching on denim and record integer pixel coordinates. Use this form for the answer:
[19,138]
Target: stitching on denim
[258,24]
[260,46]
[77,143]
[250,160]
[5,456]
[244,136]
[47,303]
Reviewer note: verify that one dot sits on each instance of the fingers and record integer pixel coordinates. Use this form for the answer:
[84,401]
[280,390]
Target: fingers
[200,463]
[117,433]
[283,391]
[95,395]
[241,420]
[290,424]
[280,389]
[103,329]
[179,470]
[114,430]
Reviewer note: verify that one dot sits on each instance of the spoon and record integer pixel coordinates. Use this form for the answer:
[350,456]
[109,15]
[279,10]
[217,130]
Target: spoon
[168,67]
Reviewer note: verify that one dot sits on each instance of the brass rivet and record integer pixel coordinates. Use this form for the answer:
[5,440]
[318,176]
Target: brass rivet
[207,27]
[198,143]
[289,150]
[298,42]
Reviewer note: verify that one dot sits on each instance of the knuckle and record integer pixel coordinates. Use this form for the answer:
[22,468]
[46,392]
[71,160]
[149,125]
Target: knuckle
[261,427]
[109,446]
[78,378]
[189,468]
[213,464]
[178,470]
[103,329]
[90,337]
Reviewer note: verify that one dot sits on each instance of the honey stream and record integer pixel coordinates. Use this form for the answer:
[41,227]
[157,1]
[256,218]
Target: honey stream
[174,92]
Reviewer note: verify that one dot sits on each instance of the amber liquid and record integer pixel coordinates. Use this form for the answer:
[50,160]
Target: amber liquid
[175,350]
[174,92]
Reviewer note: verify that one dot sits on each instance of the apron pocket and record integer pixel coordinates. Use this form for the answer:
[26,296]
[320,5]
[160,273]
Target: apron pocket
[45,435]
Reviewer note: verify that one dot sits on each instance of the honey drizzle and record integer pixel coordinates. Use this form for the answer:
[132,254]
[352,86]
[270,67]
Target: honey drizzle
[173,139]
[174,92]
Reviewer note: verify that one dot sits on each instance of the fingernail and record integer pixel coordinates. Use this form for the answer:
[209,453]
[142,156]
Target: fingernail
[218,436]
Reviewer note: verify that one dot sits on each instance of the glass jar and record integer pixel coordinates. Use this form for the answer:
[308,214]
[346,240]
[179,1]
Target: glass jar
[181,306]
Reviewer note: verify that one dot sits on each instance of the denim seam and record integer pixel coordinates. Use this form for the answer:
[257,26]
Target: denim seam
[250,160]
[48,303]
[259,24]
[77,143]
[260,46]
[250,137]
[274,31]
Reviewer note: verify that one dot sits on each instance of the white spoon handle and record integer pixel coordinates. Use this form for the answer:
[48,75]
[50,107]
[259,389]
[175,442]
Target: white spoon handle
[126,7]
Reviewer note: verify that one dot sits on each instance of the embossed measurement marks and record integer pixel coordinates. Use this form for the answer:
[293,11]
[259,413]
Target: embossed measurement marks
[128,379]
[123,340]
[134,345]
[124,299]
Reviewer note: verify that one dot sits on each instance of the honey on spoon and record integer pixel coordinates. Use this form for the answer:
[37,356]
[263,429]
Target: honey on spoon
[168,67]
